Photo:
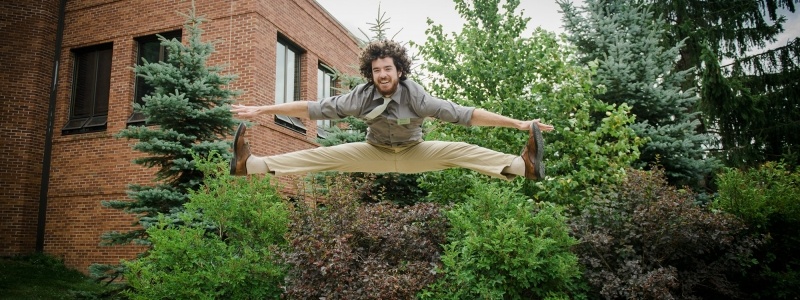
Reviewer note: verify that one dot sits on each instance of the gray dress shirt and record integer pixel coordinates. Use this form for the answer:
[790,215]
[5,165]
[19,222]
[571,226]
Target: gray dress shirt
[401,123]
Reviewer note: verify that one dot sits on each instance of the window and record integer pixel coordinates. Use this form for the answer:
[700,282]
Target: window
[90,90]
[287,82]
[150,49]
[325,89]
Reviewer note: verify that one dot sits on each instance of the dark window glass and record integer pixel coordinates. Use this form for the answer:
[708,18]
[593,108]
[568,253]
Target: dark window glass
[90,90]
[149,49]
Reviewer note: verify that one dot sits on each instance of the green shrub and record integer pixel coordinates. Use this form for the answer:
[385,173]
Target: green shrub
[643,239]
[225,245]
[768,199]
[43,276]
[504,246]
[350,250]
[759,196]
[451,185]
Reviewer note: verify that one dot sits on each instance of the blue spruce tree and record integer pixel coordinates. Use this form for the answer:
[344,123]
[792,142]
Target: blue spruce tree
[187,114]
[625,40]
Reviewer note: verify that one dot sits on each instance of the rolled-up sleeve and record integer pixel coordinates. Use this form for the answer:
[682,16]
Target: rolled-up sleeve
[430,106]
[336,107]
[324,109]
[448,111]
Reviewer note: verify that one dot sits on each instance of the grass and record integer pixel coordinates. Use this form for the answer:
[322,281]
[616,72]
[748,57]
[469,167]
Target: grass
[39,276]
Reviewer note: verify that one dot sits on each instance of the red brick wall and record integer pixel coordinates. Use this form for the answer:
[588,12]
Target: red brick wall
[91,167]
[26,66]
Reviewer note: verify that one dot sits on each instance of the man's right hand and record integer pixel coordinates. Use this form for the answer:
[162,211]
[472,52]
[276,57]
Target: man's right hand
[526,125]
[297,109]
[246,112]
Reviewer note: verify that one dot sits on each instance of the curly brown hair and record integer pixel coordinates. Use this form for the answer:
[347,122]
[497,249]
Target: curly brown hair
[381,49]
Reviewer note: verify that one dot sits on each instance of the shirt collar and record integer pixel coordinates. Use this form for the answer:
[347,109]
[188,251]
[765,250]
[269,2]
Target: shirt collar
[395,96]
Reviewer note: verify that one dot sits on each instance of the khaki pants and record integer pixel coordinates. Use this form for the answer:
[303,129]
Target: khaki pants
[415,158]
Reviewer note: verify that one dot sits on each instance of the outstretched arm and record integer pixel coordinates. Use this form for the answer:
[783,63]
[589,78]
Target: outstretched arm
[482,117]
[293,109]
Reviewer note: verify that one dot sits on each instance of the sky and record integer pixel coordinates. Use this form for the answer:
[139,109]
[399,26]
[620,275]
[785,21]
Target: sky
[407,18]
[791,27]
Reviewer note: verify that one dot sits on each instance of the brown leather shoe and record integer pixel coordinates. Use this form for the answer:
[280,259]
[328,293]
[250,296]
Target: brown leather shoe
[241,151]
[533,153]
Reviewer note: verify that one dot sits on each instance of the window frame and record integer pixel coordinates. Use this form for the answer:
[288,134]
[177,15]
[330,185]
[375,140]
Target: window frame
[282,85]
[138,118]
[99,88]
[325,75]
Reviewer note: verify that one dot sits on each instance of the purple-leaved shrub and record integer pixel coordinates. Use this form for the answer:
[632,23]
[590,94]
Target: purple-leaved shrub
[350,250]
[644,239]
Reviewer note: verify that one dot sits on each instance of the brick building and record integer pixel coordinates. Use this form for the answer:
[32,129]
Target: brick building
[67,91]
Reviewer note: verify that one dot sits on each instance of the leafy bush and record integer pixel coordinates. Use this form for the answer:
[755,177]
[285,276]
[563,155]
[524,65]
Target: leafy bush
[349,250]
[643,239]
[768,199]
[504,246]
[451,185]
[229,251]
[528,78]
[760,196]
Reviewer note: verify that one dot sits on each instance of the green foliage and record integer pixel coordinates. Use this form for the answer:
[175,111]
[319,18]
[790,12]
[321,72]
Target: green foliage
[448,186]
[41,276]
[229,251]
[732,31]
[622,37]
[755,115]
[768,200]
[349,250]
[760,196]
[589,150]
[504,246]
[490,66]
[644,239]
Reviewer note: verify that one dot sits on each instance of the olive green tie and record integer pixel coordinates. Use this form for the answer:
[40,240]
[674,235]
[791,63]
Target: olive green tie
[378,110]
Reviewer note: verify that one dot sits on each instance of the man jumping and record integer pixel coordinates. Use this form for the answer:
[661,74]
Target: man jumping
[394,109]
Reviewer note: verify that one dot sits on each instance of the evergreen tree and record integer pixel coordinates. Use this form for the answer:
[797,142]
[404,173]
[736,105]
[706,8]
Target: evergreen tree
[731,29]
[187,113]
[750,104]
[625,41]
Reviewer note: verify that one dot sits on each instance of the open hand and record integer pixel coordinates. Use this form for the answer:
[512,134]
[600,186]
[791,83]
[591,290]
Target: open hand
[526,125]
[245,111]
